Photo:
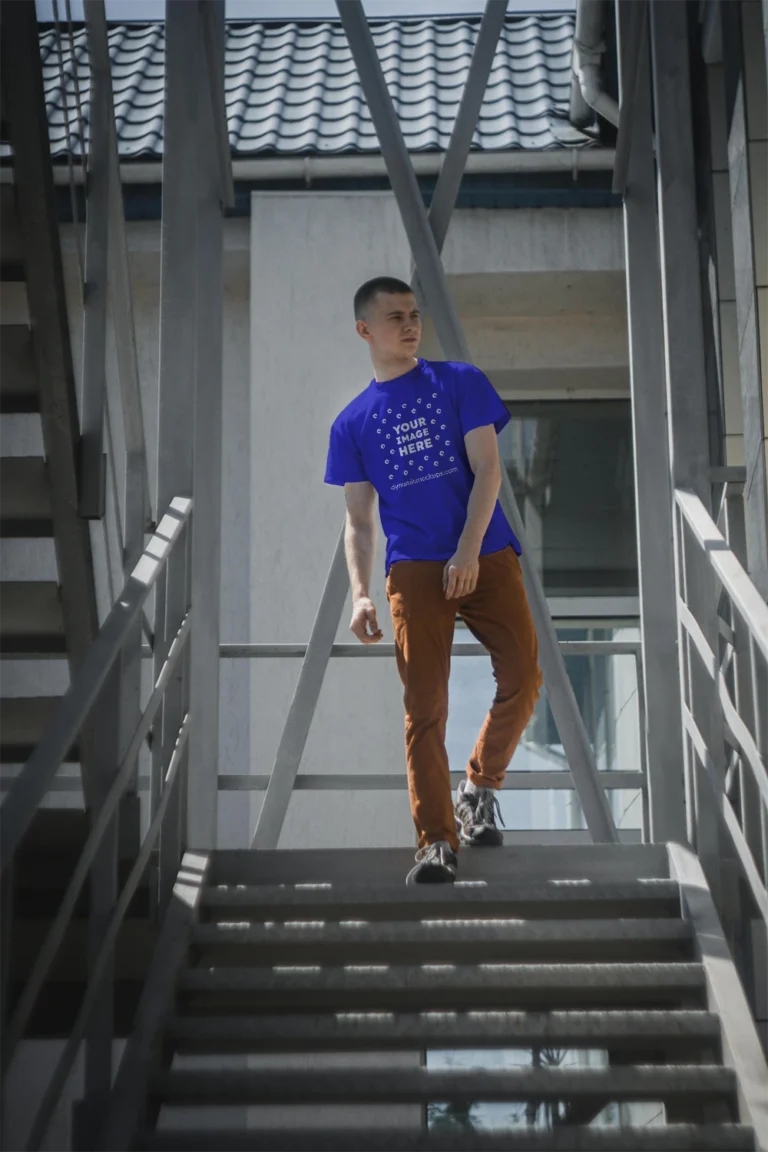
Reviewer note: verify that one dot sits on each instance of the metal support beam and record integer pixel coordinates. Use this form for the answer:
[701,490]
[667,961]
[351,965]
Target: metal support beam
[304,702]
[214,37]
[455,162]
[190,392]
[742,234]
[449,332]
[686,391]
[206,481]
[634,37]
[90,1111]
[663,728]
[94,389]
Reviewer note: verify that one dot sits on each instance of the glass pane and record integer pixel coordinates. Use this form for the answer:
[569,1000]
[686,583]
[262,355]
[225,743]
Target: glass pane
[605,686]
[571,467]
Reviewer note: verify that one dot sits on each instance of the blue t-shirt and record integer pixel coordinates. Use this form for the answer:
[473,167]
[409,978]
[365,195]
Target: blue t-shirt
[406,437]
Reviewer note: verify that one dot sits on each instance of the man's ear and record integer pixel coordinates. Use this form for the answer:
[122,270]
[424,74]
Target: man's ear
[362,329]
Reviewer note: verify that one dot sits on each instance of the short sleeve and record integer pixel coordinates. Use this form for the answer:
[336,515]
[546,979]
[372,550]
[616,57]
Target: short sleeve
[478,401]
[344,464]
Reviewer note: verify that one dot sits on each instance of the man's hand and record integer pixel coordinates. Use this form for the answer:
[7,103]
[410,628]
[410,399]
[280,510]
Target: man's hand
[461,573]
[363,615]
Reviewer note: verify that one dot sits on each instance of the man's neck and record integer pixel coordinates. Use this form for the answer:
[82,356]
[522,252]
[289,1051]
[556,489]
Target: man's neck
[385,370]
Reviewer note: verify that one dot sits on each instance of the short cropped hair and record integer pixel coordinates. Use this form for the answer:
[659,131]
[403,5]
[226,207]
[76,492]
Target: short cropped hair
[368,292]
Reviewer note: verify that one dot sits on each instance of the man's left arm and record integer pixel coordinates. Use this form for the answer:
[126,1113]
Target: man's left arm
[461,572]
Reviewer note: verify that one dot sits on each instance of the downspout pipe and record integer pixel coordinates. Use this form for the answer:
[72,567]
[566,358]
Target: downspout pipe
[588,48]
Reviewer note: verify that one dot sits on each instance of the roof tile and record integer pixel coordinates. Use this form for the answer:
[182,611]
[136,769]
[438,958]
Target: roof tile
[293,87]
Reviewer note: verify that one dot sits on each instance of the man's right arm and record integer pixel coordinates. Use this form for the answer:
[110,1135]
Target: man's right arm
[360,548]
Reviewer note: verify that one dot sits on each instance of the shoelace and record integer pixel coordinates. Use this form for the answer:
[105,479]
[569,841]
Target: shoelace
[488,808]
[429,851]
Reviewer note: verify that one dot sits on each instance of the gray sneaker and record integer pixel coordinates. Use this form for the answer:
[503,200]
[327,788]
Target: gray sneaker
[435,864]
[476,814]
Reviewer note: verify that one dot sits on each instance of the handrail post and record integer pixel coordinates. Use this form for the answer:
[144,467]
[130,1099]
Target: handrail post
[105,726]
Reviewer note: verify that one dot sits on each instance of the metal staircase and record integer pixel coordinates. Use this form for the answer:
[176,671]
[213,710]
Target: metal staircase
[593,952]
[47,596]
[309,993]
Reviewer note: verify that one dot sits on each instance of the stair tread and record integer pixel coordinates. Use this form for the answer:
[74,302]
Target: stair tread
[483,931]
[403,975]
[466,941]
[19,390]
[661,1138]
[25,502]
[376,1030]
[545,899]
[448,987]
[31,617]
[378,866]
[23,720]
[418,1085]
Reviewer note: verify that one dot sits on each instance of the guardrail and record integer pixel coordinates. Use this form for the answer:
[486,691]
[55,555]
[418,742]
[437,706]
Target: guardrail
[735,667]
[557,778]
[166,713]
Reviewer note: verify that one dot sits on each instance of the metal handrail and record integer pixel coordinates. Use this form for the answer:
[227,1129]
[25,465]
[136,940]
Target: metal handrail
[743,720]
[75,706]
[29,787]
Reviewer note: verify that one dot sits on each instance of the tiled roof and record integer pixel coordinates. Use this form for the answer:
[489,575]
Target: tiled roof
[293,87]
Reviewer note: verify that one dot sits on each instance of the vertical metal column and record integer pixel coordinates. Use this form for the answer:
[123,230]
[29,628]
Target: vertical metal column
[756,487]
[178,318]
[685,378]
[449,332]
[202,812]
[92,462]
[662,732]
[104,736]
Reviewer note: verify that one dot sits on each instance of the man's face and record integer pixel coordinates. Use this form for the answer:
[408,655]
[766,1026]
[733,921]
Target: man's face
[393,324]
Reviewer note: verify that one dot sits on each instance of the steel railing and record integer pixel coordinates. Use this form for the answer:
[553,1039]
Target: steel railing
[735,666]
[172,538]
[544,780]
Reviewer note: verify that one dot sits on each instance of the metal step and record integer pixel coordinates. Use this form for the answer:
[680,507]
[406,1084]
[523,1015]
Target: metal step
[657,1083]
[18,383]
[25,501]
[668,1138]
[668,1031]
[467,941]
[31,618]
[23,721]
[547,900]
[525,986]
[382,866]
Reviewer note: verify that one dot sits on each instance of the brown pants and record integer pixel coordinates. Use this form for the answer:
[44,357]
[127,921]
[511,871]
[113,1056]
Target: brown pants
[497,615]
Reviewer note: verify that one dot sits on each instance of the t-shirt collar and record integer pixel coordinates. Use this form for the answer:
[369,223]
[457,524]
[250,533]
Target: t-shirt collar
[398,380]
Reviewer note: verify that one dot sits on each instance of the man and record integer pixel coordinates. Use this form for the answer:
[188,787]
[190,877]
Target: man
[423,436]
